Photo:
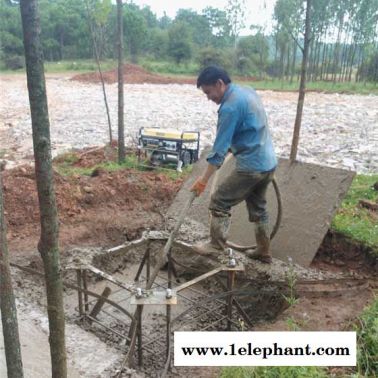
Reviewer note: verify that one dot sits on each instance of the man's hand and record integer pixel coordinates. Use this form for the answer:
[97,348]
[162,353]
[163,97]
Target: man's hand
[199,186]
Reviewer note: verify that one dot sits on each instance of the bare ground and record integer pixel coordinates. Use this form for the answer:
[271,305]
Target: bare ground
[111,207]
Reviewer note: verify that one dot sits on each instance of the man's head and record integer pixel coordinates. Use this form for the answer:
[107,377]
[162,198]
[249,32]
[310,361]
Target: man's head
[213,81]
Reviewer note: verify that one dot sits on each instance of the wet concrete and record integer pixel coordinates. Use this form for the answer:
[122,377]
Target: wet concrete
[310,196]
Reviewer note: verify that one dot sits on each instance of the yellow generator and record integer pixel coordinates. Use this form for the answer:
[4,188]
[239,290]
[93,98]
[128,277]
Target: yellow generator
[164,146]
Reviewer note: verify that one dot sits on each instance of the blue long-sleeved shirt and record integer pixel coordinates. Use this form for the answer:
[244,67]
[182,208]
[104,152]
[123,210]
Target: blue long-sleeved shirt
[243,128]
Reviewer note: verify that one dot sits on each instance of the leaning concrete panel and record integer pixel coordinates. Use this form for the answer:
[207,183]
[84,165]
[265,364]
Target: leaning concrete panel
[310,195]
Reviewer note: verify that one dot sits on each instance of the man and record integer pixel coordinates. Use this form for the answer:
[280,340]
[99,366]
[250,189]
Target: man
[242,129]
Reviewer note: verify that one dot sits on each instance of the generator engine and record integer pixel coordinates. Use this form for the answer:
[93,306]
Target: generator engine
[163,146]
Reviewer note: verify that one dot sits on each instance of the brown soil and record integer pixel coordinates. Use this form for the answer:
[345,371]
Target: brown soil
[133,74]
[340,254]
[103,210]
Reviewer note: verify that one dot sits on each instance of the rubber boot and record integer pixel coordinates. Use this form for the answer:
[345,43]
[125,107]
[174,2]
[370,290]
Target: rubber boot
[262,252]
[218,235]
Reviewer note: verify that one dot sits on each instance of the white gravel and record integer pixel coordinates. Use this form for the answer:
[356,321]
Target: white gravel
[337,130]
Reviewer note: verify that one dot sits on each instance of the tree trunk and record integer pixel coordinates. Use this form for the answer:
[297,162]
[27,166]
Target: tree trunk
[48,243]
[361,63]
[293,62]
[317,63]
[337,49]
[121,127]
[302,86]
[282,63]
[287,70]
[328,63]
[61,45]
[324,54]
[310,60]
[348,61]
[345,54]
[7,302]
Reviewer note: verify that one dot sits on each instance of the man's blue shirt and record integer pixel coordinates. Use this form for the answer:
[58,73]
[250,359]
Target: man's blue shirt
[243,128]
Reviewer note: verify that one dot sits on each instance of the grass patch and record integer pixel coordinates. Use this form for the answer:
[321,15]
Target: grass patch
[273,372]
[79,65]
[171,68]
[356,222]
[191,69]
[367,341]
[321,86]
[65,166]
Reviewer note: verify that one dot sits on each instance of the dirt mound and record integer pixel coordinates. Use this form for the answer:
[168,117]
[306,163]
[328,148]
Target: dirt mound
[133,74]
[104,209]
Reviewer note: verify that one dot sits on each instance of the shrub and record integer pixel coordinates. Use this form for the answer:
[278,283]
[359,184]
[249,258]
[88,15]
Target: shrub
[211,56]
[14,62]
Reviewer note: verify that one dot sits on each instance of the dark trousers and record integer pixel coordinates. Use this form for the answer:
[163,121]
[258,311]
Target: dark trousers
[242,186]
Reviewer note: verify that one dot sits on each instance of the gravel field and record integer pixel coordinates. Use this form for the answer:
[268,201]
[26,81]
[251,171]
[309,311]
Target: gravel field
[338,130]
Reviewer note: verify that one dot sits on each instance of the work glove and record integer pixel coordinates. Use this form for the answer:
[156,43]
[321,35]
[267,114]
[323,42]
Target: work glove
[198,187]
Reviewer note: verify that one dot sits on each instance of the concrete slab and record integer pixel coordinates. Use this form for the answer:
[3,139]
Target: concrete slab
[310,196]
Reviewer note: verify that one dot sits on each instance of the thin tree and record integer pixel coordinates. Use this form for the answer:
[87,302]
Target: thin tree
[302,85]
[236,14]
[7,301]
[48,243]
[121,128]
[97,58]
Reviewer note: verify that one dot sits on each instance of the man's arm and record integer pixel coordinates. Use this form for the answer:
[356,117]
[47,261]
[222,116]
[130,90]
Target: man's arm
[227,121]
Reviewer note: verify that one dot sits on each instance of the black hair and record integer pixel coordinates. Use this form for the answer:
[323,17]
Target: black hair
[210,75]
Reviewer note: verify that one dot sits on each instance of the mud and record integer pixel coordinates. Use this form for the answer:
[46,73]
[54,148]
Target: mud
[259,290]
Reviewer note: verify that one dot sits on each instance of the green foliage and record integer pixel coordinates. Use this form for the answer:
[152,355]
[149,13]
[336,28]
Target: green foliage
[64,21]
[212,56]
[236,16]
[344,44]
[356,222]
[220,27]
[78,65]
[158,43]
[291,280]
[198,24]
[14,62]
[273,372]
[253,53]
[369,70]
[179,47]
[134,30]
[11,44]
[10,31]
[319,86]
[244,66]
[367,341]
[170,68]
[292,324]
[101,11]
